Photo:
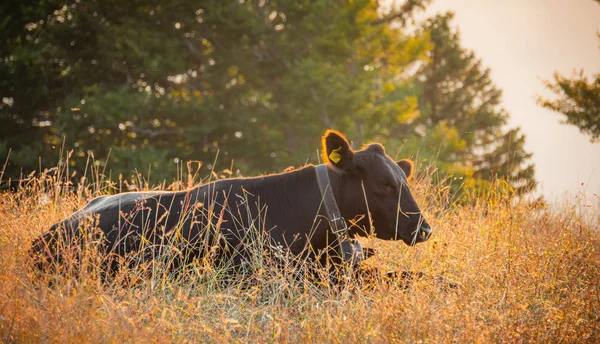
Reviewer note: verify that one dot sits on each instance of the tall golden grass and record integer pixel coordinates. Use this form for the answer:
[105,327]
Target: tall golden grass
[524,274]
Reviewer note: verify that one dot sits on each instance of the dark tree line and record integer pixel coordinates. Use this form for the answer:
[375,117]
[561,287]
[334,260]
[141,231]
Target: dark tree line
[148,82]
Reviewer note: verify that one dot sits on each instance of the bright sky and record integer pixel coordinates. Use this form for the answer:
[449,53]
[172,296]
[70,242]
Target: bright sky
[524,42]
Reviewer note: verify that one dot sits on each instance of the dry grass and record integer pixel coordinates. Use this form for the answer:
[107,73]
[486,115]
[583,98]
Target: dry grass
[525,275]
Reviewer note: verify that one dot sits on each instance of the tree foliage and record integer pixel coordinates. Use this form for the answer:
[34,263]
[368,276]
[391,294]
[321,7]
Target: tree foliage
[146,83]
[461,123]
[578,99]
[256,80]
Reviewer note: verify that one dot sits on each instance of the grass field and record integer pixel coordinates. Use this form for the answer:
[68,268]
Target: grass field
[524,274]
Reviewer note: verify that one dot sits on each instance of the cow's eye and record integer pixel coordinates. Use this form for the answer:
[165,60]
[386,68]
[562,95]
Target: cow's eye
[388,186]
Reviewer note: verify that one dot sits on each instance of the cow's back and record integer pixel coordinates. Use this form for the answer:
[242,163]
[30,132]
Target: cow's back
[118,223]
[233,212]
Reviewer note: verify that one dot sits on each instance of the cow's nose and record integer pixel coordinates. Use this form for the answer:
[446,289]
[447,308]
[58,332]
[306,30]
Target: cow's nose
[424,233]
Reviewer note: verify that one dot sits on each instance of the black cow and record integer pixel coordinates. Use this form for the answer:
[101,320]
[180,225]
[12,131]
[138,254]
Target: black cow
[370,190]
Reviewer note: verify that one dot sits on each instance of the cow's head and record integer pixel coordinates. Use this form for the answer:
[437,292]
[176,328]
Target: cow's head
[371,182]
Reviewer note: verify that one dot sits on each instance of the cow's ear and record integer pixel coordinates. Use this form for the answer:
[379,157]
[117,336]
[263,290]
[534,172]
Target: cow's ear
[336,150]
[407,166]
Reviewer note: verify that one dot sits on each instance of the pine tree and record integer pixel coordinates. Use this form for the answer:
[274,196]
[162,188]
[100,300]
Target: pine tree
[462,124]
[578,99]
[148,82]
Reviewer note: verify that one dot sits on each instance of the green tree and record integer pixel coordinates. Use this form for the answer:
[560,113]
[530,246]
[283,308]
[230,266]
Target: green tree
[148,82]
[461,123]
[27,90]
[578,99]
